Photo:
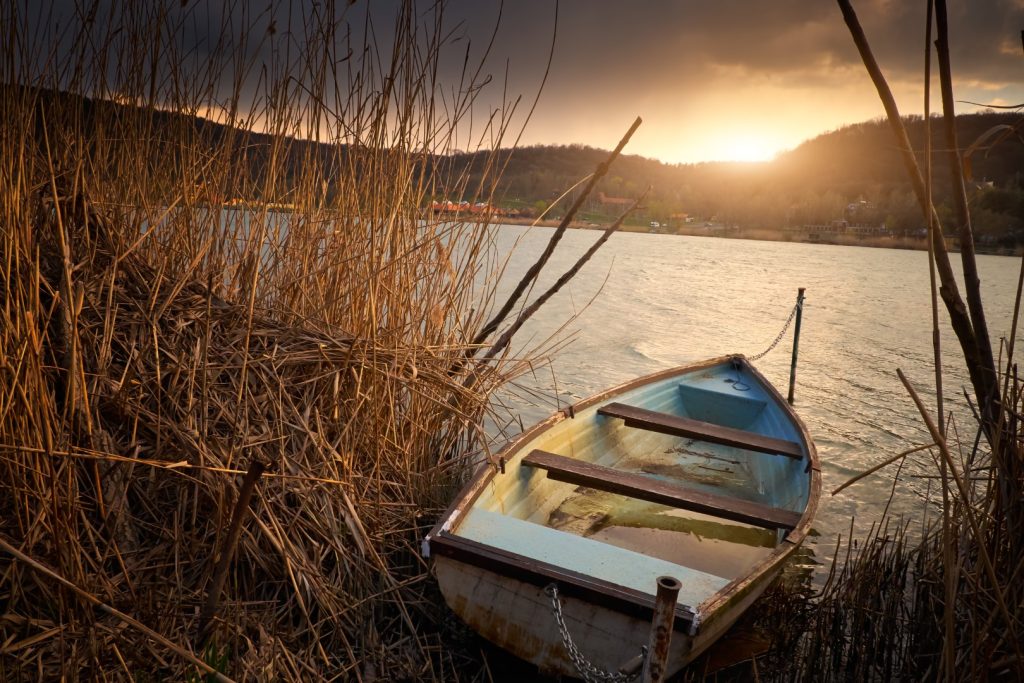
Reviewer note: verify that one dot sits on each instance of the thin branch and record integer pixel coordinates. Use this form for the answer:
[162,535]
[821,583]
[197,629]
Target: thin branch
[932,224]
[959,317]
[535,269]
[506,337]
[245,492]
[884,463]
[989,398]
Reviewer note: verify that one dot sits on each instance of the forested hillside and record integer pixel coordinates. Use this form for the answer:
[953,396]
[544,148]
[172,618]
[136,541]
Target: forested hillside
[814,183]
[818,182]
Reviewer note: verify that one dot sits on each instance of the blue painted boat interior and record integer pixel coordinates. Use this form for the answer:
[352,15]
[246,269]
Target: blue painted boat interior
[631,542]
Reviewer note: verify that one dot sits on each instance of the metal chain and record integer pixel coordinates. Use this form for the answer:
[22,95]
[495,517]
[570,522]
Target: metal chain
[589,672]
[789,321]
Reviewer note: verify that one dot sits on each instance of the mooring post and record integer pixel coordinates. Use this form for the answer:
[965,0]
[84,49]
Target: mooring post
[661,629]
[796,342]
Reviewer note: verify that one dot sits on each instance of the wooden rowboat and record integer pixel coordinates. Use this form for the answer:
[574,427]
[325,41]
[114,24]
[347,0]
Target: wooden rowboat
[702,473]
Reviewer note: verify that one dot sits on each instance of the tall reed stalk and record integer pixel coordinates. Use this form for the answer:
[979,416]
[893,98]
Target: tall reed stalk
[948,606]
[155,347]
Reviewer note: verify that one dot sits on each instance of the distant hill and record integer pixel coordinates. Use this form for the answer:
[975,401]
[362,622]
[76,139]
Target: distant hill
[815,183]
[853,173]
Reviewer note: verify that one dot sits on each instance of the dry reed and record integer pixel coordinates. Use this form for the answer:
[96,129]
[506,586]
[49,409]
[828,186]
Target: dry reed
[947,603]
[154,346]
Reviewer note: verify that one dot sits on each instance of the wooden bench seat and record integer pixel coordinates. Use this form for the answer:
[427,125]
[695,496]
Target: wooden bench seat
[585,556]
[643,487]
[663,423]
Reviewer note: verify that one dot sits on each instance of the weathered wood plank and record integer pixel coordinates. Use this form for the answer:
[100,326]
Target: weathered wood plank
[663,423]
[654,490]
[528,570]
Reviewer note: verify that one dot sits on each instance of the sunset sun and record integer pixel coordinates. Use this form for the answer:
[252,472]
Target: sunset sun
[746,148]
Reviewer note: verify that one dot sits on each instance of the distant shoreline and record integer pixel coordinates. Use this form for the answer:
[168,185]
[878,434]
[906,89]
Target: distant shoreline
[774,235]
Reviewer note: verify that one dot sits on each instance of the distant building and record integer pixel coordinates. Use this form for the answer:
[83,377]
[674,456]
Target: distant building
[677,219]
[844,227]
[450,208]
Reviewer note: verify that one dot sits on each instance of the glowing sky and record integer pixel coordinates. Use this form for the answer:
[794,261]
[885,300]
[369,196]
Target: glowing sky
[712,79]
[731,79]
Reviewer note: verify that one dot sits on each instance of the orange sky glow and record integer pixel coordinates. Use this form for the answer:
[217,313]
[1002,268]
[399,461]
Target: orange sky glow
[724,80]
[737,79]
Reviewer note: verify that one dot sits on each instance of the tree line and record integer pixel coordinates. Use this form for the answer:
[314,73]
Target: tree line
[853,173]
[856,166]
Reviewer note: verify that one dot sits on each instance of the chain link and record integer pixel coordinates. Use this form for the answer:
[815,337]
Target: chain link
[789,321]
[589,672]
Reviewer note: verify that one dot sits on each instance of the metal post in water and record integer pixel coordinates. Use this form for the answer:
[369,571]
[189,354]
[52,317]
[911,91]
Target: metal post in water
[661,629]
[796,342]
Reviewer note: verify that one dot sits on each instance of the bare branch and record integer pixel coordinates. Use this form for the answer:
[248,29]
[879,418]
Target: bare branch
[535,269]
[506,337]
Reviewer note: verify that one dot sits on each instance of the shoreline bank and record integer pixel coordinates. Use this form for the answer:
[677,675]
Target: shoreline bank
[773,235]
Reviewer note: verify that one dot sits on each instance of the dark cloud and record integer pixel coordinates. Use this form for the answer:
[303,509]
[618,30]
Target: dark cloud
[613,59]
[607,39]
[601,38]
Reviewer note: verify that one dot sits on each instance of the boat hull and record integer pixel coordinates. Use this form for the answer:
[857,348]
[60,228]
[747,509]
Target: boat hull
[494,575]
[517,616]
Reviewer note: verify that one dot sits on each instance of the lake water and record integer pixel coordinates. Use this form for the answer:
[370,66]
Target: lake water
[649,302]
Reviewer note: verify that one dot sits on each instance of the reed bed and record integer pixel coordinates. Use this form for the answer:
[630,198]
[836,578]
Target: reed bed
[224,431]
[912,600]
[950,606]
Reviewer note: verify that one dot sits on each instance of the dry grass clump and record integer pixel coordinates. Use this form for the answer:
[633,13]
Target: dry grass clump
[139,457]
[275,398]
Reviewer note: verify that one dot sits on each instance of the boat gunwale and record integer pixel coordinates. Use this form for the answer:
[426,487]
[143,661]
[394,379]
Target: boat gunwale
[622,599]
[732,590]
